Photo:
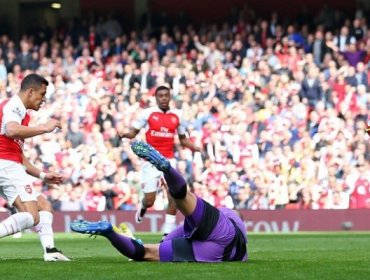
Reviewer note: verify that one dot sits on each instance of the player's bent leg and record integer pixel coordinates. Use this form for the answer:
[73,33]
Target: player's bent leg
[45,231]
[129,247]
[147,202]
[13,211]
[44,204]
[149,199]
[185,201]
[28,206]
[16,222]
[176,183]
[150,180]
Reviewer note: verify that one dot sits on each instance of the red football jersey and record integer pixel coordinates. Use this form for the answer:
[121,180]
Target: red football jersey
[360,197]
[12,110]
[161,128]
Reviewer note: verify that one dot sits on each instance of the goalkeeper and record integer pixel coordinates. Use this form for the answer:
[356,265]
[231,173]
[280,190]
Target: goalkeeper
[207,235]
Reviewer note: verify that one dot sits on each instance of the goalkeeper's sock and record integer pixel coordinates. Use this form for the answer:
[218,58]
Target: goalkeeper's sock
[176,183]
[131,248]
[16,223]
[45,230]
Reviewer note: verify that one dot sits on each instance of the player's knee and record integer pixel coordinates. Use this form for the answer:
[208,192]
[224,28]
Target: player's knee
[36,218]
[46,206]
[180,193]
[148,201]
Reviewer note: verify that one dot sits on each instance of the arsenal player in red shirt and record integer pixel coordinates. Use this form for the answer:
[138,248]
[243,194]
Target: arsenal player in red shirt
[15,183]
[161,124]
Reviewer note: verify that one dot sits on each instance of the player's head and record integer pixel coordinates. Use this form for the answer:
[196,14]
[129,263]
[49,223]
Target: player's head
[33,90]
[163,97]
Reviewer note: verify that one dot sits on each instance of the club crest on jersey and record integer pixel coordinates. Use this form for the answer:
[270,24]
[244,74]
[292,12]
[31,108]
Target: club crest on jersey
[17,111]
[28,189]
[174,119]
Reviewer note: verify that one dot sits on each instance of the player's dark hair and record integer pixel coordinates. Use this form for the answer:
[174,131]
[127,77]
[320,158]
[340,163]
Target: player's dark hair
[161,88]
[33,81]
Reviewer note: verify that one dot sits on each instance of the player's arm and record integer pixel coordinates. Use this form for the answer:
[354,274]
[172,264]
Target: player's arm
[30,168]
[51,177]
[136,126]
[131,133]
[185,142]
[15,130]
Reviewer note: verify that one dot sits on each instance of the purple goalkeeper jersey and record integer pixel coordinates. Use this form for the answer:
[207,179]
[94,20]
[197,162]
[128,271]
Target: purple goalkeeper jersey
[212,249]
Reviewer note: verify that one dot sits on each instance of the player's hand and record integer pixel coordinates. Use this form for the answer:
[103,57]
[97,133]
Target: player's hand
[124,133]
[51,125]
[53,178]
[198,149]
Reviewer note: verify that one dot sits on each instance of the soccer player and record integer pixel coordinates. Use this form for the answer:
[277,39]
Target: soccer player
[15,182]
[208,234]
[162,124]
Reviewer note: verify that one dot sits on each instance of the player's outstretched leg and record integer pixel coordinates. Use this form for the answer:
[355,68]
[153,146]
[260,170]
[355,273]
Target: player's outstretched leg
[176,183]
[186,202]
[121,238]
[146,151]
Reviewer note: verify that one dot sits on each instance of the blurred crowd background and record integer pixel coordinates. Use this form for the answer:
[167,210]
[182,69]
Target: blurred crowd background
[279,107]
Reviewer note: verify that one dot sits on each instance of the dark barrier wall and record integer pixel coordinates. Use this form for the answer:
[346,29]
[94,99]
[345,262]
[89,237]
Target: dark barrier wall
[214,10]
[218,9]
[123,8]
[255,221]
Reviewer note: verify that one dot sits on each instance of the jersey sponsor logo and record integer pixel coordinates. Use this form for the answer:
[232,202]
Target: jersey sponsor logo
[162,134]
[28,189]
[155,118]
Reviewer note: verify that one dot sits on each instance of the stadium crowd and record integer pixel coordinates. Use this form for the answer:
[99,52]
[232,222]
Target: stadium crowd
[280,108]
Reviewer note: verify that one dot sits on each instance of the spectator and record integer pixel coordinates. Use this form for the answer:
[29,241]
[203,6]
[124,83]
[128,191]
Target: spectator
[248,92]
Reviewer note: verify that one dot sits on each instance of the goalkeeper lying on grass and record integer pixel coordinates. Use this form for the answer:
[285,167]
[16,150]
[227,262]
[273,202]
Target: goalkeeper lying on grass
[207,235]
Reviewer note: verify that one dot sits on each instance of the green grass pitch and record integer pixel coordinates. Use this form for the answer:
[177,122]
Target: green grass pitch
[344,255]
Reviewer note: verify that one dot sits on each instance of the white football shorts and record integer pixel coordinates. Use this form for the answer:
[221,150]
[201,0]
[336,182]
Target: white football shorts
[150,176]
[14,181]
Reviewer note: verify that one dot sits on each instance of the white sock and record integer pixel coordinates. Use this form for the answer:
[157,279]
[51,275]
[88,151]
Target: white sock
[16,223]
[45,230]
[169,223]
